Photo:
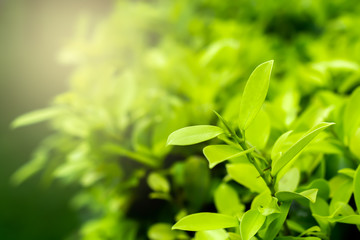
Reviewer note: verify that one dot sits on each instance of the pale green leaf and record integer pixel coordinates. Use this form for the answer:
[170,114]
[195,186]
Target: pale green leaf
[259,131]
[352,115]
[290,180]
[357,188]
[297,147]
[158,182]
[355,143]
[254,93]
[288,196]
[227,200]
[265,204]
[247,175]
[161,231]
[341,189]
[216,154]
[35,117]
[352,219]
[276,151]
[250,224]
[205,221]
[311,230]
[194,134]
[218,234]
[277,223]
[348,172]
[297,238]
[234,236]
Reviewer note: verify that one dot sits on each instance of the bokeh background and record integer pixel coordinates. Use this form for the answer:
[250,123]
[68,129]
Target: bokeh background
[183,58]
[32,32]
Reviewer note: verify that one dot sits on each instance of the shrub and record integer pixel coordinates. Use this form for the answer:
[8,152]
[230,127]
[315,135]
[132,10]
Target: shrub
[278,169]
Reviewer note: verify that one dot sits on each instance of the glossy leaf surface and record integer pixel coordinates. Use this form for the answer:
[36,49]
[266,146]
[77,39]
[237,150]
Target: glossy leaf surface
[205,221]
[194,134]
[297,147]
[216,154]
[254,93]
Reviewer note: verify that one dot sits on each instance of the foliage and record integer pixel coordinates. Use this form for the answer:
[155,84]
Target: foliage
[150,76]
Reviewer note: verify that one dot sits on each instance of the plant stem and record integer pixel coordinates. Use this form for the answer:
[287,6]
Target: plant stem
[242,143]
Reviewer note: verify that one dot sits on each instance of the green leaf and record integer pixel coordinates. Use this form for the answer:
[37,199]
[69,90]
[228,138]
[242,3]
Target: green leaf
[205,221]
[254,93]
[357,188]
[355,143]
[297,238]
[352,219]
[35,117]
[265,204]
[278,222]
[288,196]
[297,147]
[250,224]
[216,154]
[352,115]
[310,230]
[158,183]
[161,231]
[278,146]
[194,134]
[341,189]
[234,236]
[348,172]
[290,180]
[259,131]
[218,234]
[227,200]
[247,175]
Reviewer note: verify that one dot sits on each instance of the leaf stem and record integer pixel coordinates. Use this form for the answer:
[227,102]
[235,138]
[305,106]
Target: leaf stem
[252,160]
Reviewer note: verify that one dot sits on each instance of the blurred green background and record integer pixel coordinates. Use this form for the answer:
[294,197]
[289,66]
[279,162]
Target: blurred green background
[31,35]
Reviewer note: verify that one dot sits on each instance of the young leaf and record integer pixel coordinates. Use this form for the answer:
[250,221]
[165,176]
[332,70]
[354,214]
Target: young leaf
[297,147]
[218,234]
[287,196]
[348,172]
[278,222]
[35,117]
[297,238]
[227,200]
[234,236]
[352,115]
[158,183]
[205,221]
[250,224]
[259,131]
[161,231]
[278,145]
[247,175]
[357,188]
[216,154]
[290,180]
[351,219]
[265,204]
[254,93]
[194,134]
